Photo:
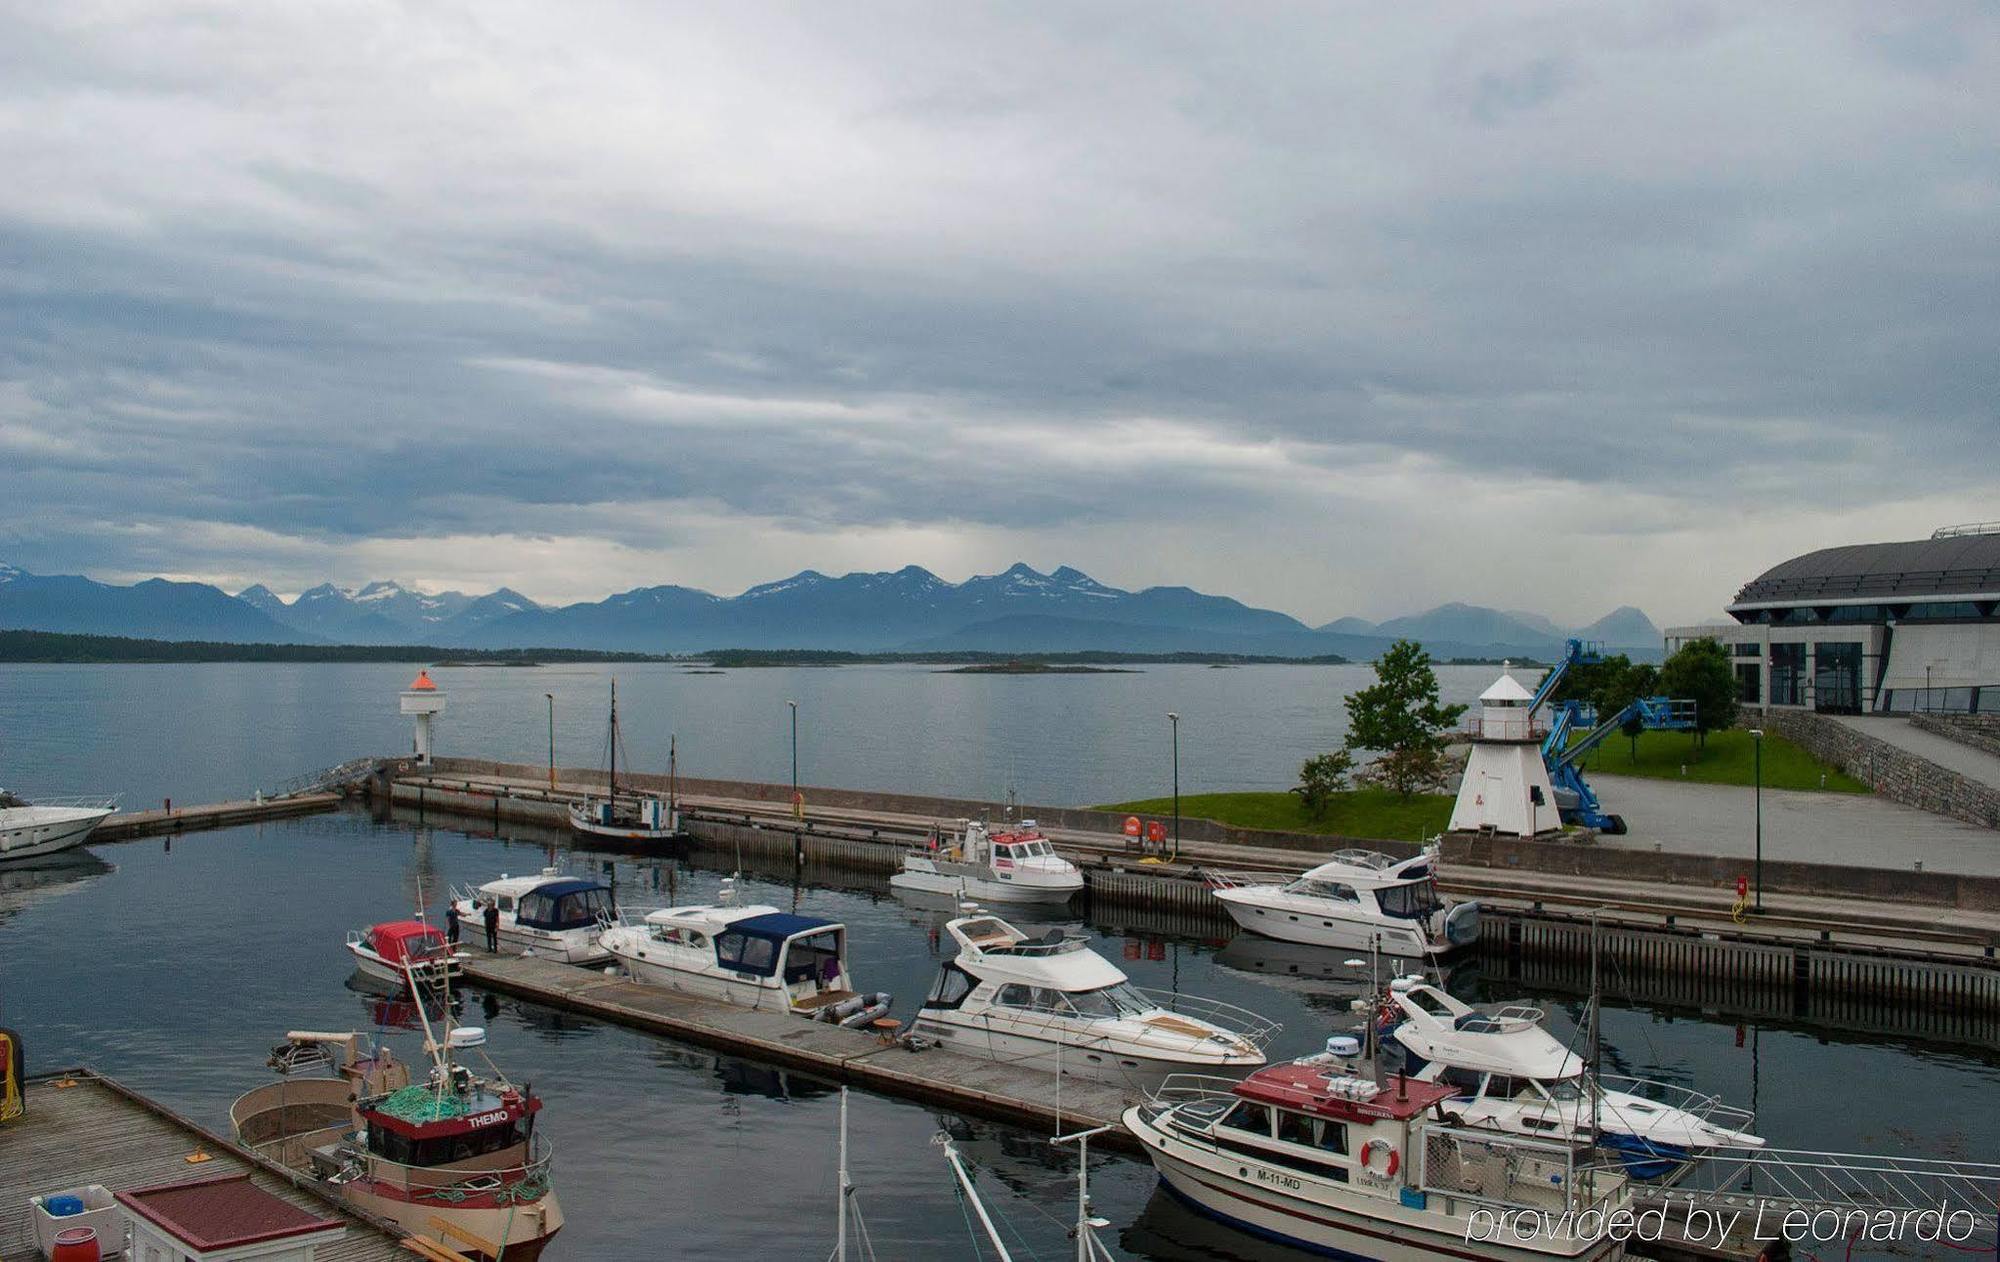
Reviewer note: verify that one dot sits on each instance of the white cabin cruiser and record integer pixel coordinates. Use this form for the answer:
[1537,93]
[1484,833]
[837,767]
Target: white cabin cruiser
[1018,865]
[1052,1003]
[551,915]
[31,830]
[755,956]
[1355,900]
[1510,1074]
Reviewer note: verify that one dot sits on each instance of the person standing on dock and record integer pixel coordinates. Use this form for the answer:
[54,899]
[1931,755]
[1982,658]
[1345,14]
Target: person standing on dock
[492,918]
[451,922]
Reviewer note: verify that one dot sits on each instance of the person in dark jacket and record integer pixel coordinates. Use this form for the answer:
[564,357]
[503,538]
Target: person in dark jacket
[451,923]
[492,917]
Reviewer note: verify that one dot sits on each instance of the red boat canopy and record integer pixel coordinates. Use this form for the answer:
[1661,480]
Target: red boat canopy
[398,940]
[1305,1087]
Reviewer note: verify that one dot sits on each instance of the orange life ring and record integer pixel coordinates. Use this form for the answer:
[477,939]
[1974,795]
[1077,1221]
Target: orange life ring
[1368,1151]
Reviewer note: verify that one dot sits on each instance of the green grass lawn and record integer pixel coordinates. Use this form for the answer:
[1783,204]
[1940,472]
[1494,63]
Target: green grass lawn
[1726,759]
[1371,813]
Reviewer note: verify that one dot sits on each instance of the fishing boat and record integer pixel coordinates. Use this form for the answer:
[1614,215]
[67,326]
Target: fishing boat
[1017,865]
[627,818]
[453,1159]
[1355,900]
[1507,1072]
[752,955]
[1052,1003]
[1309,1155]
[31,830]
[550,915]
[405,951]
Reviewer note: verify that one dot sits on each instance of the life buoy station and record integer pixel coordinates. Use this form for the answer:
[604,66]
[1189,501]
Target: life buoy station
[1506,787]
[424,700]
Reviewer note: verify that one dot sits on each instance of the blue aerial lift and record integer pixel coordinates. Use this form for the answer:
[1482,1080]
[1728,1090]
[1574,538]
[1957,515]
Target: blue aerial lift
[1575,799]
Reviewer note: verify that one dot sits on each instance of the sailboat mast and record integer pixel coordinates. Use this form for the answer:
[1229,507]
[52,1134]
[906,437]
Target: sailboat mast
[613,779]
[840,1249]
[1596,1032]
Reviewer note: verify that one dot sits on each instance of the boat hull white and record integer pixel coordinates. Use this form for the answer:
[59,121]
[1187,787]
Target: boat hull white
[428,974]
[625,832]
[1276,1206]
[1302,926]
[985,889]
[31,832]
[1097,1061]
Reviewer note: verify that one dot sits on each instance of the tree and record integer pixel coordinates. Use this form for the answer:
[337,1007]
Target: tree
[1322,777]
[1700,671]
[1410,770]
[1398,716]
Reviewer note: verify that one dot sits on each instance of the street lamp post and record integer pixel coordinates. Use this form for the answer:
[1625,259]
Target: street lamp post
[1175,719]
[1757,746]
[796,804]
[552,740]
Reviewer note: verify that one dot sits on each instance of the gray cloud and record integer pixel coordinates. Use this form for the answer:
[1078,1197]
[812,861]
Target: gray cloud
[1554,306]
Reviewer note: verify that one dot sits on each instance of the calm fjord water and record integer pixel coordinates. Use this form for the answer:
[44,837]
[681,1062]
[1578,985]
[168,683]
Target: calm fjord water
[212,732]
[176,966]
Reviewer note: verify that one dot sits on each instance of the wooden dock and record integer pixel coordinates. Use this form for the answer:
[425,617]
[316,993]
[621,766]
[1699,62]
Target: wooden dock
[96,1131]
[967,1084]
[128,825]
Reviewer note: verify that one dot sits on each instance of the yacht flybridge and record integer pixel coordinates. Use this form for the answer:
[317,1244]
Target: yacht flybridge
[1016,865]
[1355,900]
[1508,1072]
[1312,1156]
[1054,1004]
[551,915]
[756,956]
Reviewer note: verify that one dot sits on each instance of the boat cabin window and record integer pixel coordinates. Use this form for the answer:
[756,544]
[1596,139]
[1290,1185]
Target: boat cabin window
[1415,901]
[1122,999]
[565,911]
[1323,889]
[1502,1087]
[404,1150]
[504,901]
[674,935]
[814,958]
[1255,1118]
[1312,1132]
[1562,1090]
[951,988]
[1031,998]
[1465,1080]
[746,953]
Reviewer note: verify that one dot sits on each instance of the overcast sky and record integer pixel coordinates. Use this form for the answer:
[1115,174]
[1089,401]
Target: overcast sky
[1338,309]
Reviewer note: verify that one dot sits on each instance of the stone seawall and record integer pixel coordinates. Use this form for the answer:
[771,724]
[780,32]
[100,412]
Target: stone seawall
[1975,731]
[1896,774]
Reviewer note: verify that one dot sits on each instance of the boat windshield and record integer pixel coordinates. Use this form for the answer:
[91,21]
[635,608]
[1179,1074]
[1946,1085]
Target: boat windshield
[1562,1090]
[1025,850]
[1121,999]
[814,958]
[1415,901]
[1312,888]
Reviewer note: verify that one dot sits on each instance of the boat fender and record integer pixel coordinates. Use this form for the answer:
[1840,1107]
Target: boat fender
[1389,1168]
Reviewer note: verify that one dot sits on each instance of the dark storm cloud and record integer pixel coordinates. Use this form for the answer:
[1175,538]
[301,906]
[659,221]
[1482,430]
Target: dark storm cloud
[287,290]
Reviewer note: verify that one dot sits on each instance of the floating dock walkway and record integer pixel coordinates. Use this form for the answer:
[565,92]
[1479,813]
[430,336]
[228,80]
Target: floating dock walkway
[1025,1097]
[93,1130]
[132,824]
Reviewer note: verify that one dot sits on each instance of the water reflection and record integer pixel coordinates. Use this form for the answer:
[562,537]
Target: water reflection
[25,882]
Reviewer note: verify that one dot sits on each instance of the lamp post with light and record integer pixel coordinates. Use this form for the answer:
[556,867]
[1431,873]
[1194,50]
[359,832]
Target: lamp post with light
[1175,719]
[552,740]
[1757,746]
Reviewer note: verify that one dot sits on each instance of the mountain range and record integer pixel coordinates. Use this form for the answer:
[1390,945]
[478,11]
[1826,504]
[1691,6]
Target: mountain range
[1017,610]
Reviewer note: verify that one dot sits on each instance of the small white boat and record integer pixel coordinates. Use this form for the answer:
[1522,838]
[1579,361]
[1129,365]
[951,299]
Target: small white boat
[627,817]
[383,951]
[756,956]
[1018,865]
[1509,1073]
[1308,1155]
[551,915]
[1355,900]
[42,828]
[1052,1003]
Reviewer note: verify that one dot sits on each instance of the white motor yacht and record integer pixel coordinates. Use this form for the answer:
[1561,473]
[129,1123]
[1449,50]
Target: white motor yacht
[29,831]
[1355,900]
[401,951]
[756,956]
[1053,1003]
[1509,1073]
[1018,865]
[551,915]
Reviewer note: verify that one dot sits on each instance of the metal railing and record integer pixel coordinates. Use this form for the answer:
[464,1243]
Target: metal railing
[1846,1183]
[328,778]
[1705,1108]
[1505,1171]
[78,803]
[1255,1029]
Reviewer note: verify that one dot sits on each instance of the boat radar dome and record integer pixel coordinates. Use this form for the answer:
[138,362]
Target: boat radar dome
[423,701]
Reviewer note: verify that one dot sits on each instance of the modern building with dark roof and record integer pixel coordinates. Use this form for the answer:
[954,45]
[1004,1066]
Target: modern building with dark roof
[1871,627]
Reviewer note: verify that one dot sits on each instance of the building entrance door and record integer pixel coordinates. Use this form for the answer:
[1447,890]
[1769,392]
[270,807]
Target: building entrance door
[1837,678]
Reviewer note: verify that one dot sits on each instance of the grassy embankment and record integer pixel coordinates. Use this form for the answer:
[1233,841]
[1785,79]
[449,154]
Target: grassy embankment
[1729,757]
[1374,813]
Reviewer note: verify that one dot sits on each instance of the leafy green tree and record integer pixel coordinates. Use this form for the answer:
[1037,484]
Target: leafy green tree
[1399,717]
[1407,771]
[1322,777]
[1700,671]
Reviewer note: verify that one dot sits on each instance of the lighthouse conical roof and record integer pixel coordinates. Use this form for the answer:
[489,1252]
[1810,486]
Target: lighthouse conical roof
[1507,688]
[422,683]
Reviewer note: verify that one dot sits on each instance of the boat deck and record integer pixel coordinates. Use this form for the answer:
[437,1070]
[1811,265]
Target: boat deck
[99,1132]
[1010,1093]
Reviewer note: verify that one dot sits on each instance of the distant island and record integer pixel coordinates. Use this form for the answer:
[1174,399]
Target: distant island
[1034,668]
[749,658]
[53,646]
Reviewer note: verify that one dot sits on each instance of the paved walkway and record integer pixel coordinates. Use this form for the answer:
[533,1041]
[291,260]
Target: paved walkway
[1892,729]
[1859,830]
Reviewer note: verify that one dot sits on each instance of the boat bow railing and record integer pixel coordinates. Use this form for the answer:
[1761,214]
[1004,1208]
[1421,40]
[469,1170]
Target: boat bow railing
[1478,1166]
[82,803]
[1255,1029]
[1705,1108]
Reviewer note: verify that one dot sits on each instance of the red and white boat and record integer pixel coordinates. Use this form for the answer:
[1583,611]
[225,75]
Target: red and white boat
[1309,1156]
[1016,865]
[397,951]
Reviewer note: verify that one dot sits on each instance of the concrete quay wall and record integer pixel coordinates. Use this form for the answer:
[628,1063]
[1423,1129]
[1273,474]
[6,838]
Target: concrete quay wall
[1974,731]
[1896,774]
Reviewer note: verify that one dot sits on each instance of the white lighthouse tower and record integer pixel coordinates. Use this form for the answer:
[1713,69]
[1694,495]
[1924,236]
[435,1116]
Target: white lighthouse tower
[1506,788]
[424,700]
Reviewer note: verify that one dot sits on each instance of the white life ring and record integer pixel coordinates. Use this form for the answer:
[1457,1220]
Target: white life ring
[1388,1171]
